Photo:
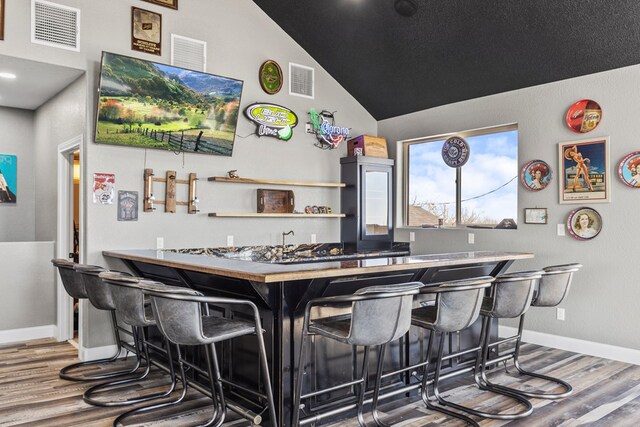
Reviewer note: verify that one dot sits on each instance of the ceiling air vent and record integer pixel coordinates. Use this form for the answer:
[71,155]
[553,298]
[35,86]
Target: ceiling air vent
[188,53]
[300,80]
[55,25]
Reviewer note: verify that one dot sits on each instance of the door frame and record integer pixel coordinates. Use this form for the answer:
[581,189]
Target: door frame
[64,309]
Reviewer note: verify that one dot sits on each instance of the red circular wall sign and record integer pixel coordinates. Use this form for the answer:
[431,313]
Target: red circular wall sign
[584,116]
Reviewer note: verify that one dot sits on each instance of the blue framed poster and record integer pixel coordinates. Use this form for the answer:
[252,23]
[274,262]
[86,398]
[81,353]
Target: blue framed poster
[8,178]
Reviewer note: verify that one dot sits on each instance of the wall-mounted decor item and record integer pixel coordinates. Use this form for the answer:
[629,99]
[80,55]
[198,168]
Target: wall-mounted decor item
[170,201]
[272,120]
[8,178]
[104,188]
[629,170]
[150,105]
[535,216]
[173,4]
[535,175]
[127,205]
[329,135]
[584,171]
[584,116]
[1,19]
[275,201]
[233,174]
[584,223]
[455,152]
[270,76]
[146,31]
[366,145]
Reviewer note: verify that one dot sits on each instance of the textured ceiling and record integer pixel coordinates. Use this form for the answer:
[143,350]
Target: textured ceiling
[454,50]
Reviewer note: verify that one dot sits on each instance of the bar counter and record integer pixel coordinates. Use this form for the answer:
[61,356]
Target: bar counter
[281,292]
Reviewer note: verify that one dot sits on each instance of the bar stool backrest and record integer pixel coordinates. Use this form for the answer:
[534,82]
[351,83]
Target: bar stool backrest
[512,293]
[98,292]
[458,302]
[128,297]
[385,316]
[555,284]
[178,319]
[71,281]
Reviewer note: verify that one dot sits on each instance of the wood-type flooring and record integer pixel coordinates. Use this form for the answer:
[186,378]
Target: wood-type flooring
[606,394]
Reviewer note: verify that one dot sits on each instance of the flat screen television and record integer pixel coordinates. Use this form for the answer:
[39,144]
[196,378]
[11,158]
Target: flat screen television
[149,105]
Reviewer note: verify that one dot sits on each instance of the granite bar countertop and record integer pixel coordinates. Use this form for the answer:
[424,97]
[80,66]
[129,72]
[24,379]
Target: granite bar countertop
[280,272]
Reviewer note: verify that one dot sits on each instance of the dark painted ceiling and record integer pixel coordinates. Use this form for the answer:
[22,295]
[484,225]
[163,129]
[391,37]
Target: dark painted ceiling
[454,50]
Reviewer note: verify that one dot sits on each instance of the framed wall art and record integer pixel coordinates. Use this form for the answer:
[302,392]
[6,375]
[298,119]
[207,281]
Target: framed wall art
[8,178]
[146,31]
[584,171]
[584,223]
[173,4]
[535,216]
[1,19]
[629,170]
[535,175]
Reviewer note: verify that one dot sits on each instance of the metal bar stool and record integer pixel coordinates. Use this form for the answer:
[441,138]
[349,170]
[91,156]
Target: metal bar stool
[74,285]
[100,297]
[552,288]
[130,307]
[183,317]
[457,306]
[379,315]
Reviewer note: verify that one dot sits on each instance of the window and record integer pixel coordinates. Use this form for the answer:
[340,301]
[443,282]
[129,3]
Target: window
[482,193]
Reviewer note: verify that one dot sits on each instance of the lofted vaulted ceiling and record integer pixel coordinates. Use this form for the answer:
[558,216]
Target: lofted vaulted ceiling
[454,50]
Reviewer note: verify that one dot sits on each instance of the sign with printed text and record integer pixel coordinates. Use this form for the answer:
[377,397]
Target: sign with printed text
[104,188]
[272,120]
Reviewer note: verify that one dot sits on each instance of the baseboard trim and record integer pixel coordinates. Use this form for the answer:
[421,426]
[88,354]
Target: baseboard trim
[95,353]
[26,334]
[590,348]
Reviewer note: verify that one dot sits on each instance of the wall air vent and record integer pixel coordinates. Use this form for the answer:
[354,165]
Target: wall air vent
[55,25]
[301,80]
[188,53]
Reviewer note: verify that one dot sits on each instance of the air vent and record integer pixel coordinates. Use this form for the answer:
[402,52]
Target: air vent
[188,53]
[300,80]
[55,25]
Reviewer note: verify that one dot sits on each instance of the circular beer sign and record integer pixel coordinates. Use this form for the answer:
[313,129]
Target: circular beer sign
[584,116]
[629,170]
[455,152]
[584,223]
[271,77]
[535,175]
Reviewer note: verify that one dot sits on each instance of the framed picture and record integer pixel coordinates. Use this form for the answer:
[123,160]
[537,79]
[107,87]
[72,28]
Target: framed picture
[128,205]
[535,175]
[584,171]
[173,4]
[629,170]
[146,31]
[584,223]
[1,19]
[8,178]
[535,216]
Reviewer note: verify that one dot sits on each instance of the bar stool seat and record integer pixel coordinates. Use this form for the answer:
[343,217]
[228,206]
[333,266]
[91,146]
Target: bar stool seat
[216,329]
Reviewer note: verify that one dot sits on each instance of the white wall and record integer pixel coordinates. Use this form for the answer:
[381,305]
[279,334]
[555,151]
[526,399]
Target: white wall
[17,221]
[602,304]
[240,37]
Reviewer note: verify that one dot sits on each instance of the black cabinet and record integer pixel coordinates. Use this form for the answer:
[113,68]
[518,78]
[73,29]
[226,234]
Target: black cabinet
[367,200]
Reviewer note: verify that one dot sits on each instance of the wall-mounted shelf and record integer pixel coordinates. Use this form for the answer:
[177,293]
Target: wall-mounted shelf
[275,215]
[273,182]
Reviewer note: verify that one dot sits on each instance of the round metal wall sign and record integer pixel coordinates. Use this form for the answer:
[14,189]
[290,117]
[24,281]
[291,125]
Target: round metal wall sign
[629,170]
[584,223]
[535,175]
[584,116]
[271,77]
[455,152]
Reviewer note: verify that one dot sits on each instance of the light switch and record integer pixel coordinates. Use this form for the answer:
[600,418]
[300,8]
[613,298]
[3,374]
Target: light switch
[560,229]
[159,242]
[412,236]
[472,238]
[314,239]
[229,240]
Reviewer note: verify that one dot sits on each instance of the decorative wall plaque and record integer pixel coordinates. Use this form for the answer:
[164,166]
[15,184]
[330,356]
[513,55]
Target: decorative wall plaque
[455,152]
[584,116]
[535,175]
[272,120]
[629,170]
[173,4]
[146,31]
[270,77]
[584,223]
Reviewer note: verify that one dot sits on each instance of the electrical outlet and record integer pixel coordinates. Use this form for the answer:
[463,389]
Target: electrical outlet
[314,238]
[560,313]
[159,242]
[560,229]
[471,238]
[412,236]
[229,240]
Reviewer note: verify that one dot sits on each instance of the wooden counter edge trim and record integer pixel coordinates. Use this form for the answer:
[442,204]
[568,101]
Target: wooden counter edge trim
[311,274]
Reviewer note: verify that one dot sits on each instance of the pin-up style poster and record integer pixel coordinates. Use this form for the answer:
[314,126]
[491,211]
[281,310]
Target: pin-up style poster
[584,171]
[104,188]
[8,178]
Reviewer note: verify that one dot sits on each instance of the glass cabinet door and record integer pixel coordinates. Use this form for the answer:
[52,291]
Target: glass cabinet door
[376,210]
